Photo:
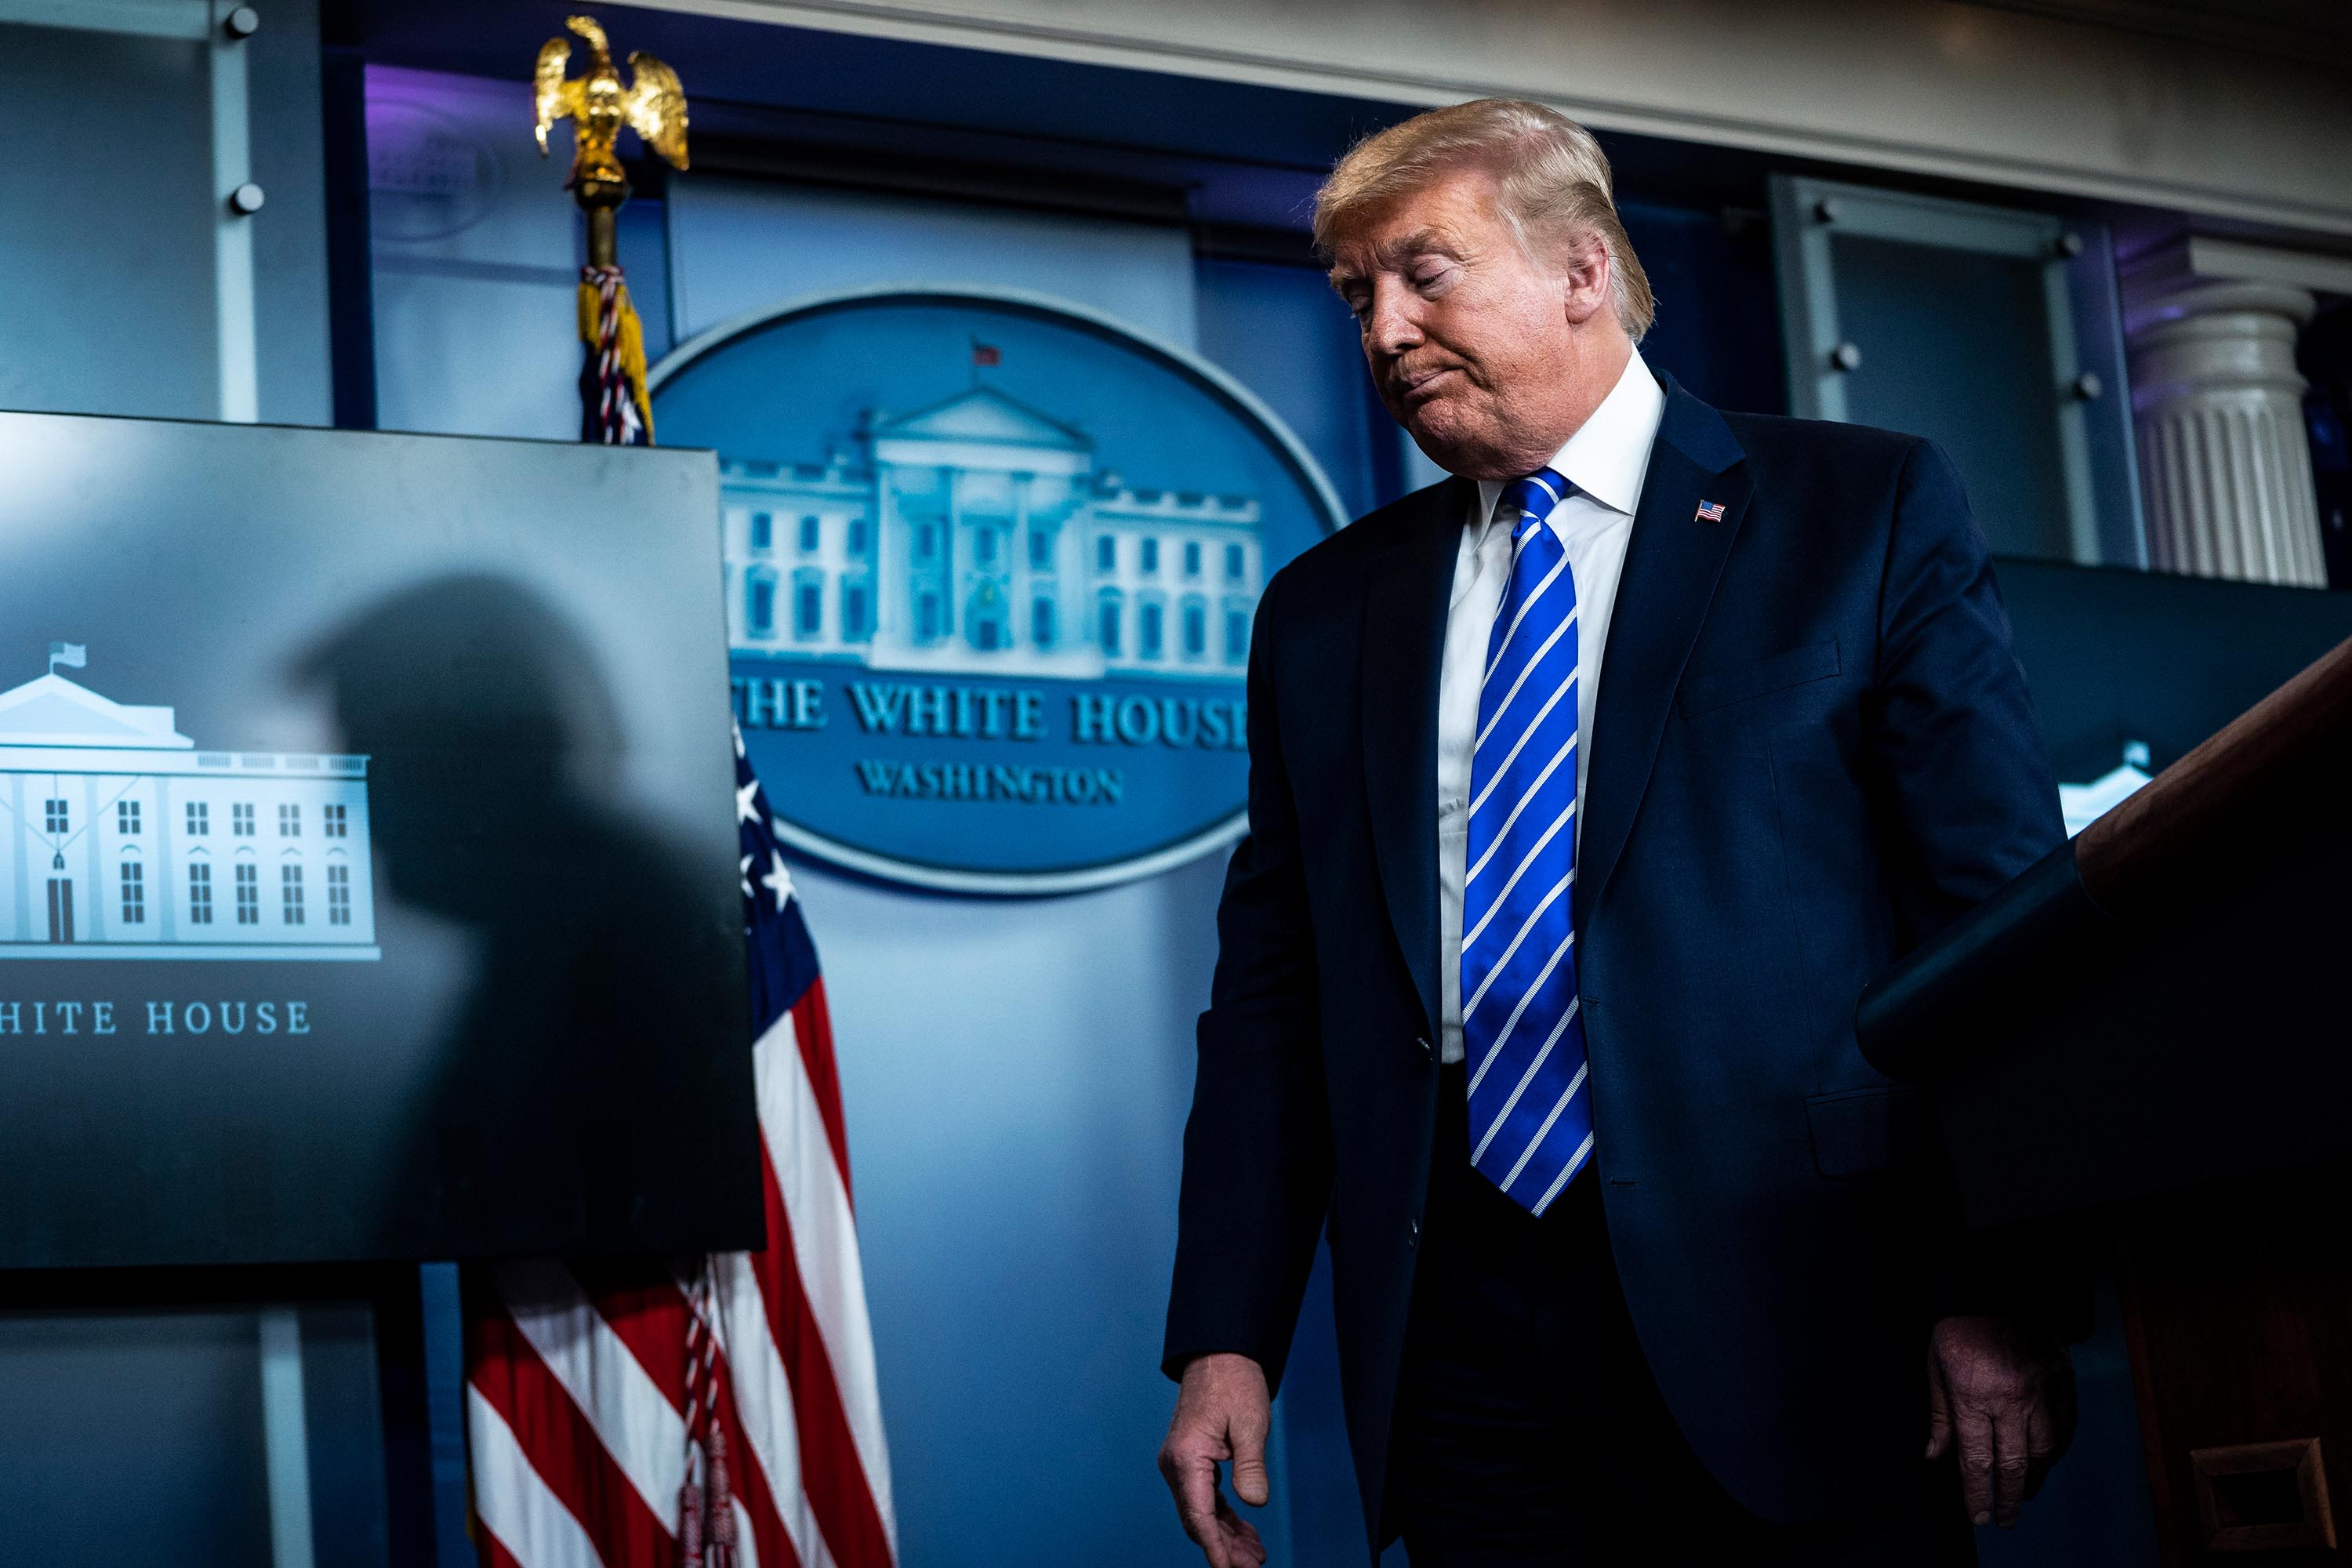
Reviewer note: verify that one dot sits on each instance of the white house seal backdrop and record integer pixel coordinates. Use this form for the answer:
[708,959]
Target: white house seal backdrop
[993,561]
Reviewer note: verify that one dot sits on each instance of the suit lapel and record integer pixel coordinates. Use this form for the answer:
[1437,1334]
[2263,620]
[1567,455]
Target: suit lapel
[1404,647]
[1673,560]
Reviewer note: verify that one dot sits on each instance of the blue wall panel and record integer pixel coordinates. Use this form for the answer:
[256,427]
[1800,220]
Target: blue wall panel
[127,327]
[1717,330]
[738,244]
[476,257]
[131,1438]
[1284,334]
[1016,1076]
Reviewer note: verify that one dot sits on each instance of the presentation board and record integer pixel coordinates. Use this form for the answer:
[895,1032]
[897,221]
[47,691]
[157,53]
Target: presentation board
[368,881]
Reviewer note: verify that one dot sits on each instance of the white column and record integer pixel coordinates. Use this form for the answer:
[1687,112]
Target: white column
[950,609]
[2225,466]
[893,581]
[164,894]
[1018,617]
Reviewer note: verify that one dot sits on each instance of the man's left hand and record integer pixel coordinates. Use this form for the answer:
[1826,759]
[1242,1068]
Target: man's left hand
[2006,1402]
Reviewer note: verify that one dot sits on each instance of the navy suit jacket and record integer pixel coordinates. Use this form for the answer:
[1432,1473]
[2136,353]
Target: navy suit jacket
[1812,747]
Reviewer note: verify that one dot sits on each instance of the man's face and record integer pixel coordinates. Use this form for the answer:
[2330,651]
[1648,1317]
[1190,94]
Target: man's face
[1471,344]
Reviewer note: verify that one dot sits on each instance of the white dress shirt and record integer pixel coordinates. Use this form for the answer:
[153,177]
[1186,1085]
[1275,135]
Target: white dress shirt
[1605,460]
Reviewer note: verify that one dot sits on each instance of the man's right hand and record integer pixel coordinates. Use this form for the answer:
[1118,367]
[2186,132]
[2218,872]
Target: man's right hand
[1221,1413]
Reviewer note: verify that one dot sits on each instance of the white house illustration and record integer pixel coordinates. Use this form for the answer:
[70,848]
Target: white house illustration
[2083,803]
[119,839]
[976,536]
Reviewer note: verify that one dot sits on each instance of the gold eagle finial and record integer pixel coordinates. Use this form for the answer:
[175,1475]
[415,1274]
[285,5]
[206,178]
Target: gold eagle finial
[652,104]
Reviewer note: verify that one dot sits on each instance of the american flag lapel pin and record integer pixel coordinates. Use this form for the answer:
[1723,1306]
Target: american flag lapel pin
[1710,511]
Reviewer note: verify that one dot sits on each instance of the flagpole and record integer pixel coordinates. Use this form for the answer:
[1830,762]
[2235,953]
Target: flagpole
[526,1463]
[616,408]
[601,200]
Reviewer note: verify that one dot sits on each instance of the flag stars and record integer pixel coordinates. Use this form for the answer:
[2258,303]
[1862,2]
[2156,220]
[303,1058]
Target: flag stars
[778,880]
[746,801]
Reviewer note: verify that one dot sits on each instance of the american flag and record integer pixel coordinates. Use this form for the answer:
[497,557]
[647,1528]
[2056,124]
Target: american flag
[608,1428]
[1710,511]
[623,1414]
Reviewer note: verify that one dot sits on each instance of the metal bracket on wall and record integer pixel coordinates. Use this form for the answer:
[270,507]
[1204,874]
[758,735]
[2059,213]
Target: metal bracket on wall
[238,199]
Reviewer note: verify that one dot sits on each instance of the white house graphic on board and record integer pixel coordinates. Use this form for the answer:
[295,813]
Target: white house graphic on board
[119,839]
[976,535]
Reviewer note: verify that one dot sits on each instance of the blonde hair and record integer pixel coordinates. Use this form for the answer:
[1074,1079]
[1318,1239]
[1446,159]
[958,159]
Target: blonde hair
[1552,176]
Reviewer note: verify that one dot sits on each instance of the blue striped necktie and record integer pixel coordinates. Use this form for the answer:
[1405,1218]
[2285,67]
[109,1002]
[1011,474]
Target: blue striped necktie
[1530,1109]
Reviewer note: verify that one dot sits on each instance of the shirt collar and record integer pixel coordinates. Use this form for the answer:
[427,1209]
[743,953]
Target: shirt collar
[1610,453]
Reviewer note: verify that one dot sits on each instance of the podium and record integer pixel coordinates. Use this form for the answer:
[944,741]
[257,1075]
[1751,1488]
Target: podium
[2148,1037]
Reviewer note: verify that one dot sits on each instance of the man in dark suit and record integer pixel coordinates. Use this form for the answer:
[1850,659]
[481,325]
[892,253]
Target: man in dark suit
[1587,791]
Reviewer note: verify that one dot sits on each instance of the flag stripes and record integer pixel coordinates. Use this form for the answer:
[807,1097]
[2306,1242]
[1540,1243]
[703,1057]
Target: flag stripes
[577,1372]
[817,1331]
[810,1195]
[513,1503]
[769,1444]
[563,1448]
